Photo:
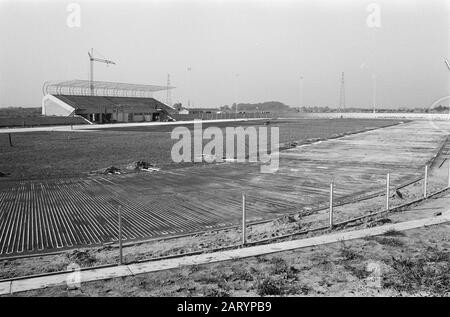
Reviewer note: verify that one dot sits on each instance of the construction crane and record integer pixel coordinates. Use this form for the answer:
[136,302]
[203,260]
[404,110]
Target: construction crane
[93,59]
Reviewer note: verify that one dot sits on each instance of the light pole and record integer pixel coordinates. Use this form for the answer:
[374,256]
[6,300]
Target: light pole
[236,93]
[374,91]
[301,91]
[189,86]
[448,66]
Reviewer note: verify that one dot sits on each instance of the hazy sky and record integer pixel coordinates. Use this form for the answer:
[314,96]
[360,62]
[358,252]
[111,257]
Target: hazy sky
[249,51]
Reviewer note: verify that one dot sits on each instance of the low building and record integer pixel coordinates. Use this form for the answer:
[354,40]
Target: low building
[202,110]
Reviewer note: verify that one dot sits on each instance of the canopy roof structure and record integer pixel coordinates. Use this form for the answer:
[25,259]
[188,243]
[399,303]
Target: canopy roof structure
[102,104]
[79,87]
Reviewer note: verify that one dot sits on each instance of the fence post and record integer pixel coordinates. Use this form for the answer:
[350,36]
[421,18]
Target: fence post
[120,236]
[331,205]
[387,191]
[10,141]
[448,160]
[425,180]
[244,235]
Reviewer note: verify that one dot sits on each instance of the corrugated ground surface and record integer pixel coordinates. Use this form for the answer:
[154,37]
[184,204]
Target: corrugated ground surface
[48,215]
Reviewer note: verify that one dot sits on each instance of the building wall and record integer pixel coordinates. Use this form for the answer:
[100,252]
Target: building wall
[135,117]
[52,106]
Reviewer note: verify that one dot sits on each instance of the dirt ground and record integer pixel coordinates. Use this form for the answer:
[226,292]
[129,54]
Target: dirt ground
[410,263]
[415,262]
[43,155]
[205,242]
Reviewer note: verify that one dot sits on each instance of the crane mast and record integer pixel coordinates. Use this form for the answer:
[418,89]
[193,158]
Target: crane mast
[93,59]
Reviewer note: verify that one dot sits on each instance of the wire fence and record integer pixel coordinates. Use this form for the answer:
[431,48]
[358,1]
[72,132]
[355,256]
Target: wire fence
[220,116]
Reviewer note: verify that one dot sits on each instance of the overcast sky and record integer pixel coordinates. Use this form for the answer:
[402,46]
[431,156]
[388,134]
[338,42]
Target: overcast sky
[249,51]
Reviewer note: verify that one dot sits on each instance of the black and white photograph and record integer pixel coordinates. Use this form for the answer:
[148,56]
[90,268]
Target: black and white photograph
[224,155]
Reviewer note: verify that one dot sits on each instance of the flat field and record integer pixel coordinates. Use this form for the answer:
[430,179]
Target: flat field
[43,215]
[43,155]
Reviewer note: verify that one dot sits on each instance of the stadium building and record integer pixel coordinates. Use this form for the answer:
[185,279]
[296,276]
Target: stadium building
[104,102]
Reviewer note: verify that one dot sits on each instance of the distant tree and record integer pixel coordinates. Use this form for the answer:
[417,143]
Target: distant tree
[440,108]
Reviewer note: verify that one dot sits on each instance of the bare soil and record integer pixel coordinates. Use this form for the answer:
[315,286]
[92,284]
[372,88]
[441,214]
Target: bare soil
[43,155]
[410,263]
[206,242]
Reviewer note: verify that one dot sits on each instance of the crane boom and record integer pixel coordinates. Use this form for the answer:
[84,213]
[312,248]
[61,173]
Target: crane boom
[93,59]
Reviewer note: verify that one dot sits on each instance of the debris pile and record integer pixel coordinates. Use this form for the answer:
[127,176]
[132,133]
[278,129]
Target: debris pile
[145,166]
[287,219]
[111,170]
[108,170]
[142,165]
[83,258]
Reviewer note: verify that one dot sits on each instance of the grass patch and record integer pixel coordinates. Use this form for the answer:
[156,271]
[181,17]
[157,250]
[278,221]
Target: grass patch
[270,286]
[280,267]
[394,233]
[389,241]
[348,254]
[216,292]
[38,155]
[359,270]
[428,272]
[82,258]
[241,274]
[378,222]
[348,257]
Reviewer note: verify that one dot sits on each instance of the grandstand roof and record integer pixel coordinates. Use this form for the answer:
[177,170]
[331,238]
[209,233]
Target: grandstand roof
[96,104]
[101,88]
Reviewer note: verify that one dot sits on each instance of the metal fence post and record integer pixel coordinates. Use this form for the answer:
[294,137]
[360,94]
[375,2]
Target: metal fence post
[448,172]
[244,235]
[331,205]
[120,236]
[425,180]
[387,191]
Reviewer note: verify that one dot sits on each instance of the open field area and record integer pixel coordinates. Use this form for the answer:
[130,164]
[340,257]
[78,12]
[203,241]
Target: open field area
[293,226]
[67,213]
[39,121]
[43,155]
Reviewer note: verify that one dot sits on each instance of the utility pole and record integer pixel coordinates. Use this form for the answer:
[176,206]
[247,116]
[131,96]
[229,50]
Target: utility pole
[301,91]
[236,93]
[168,96]
[374,92]
[448,66]
[342,94]
[189,86]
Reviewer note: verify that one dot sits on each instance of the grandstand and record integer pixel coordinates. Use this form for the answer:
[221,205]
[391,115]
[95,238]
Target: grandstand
[104,102]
